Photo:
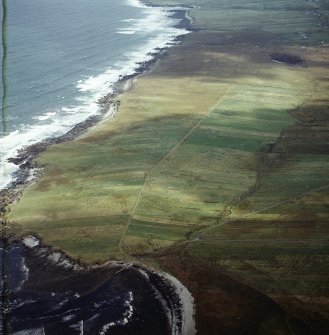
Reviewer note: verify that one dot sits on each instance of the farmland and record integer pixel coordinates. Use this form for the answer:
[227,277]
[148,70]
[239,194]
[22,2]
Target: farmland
[215,169]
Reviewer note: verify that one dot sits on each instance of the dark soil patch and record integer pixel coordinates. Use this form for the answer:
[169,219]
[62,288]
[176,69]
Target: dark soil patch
[286,59]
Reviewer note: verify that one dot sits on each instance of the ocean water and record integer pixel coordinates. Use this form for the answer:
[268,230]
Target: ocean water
[62,56]
[45,293]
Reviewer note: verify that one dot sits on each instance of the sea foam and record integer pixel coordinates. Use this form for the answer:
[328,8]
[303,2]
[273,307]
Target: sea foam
[54,123]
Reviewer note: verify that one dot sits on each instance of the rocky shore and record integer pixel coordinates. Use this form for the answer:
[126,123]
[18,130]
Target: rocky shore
[45,267]
[29,171]
[204,121]
[52,278]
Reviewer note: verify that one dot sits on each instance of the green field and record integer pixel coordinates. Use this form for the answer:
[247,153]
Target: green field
[215,168]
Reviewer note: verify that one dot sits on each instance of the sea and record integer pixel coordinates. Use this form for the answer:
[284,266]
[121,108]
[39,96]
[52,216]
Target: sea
[45,293]
[60,57]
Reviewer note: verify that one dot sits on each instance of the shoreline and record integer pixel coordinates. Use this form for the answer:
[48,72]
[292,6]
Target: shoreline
[177,301]
[174,294]
[172,22]
[29,171]
[236,285]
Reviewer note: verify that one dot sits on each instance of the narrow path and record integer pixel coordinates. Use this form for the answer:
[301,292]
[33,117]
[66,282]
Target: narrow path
[151,171]
[264,240]
[260,174]
[206,230]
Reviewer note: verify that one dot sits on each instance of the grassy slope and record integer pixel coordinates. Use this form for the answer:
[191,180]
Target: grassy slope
[220,145]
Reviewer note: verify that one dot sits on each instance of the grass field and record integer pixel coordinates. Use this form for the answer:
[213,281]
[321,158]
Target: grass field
[216,166]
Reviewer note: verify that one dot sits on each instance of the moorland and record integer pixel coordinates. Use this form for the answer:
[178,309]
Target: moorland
[215,169]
